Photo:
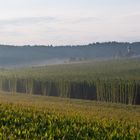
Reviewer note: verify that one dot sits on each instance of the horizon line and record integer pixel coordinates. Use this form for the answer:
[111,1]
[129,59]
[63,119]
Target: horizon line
[51,45]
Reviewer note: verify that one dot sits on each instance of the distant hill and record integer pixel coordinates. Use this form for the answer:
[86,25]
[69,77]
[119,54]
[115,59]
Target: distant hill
[17,56]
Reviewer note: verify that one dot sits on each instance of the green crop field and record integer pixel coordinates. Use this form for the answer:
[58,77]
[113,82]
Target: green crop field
[106,104]
[53,118]
[115,81]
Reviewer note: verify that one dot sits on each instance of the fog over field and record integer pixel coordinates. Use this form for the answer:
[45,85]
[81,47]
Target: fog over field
[20,56]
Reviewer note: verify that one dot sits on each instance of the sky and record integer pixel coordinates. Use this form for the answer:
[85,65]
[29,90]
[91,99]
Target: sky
[68,22]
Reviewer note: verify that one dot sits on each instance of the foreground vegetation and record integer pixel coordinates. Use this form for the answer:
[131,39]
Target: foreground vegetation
[115,81]
[36,117]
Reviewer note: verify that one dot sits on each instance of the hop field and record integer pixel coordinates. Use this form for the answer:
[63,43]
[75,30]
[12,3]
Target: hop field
[116,81]
[48,118]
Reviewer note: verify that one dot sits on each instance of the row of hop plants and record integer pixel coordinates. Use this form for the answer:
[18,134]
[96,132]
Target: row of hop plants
[107,90]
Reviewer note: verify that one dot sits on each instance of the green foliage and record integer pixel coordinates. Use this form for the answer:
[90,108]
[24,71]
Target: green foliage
[30,117]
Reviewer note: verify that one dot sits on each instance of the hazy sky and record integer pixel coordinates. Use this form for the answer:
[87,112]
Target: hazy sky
[68,21]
